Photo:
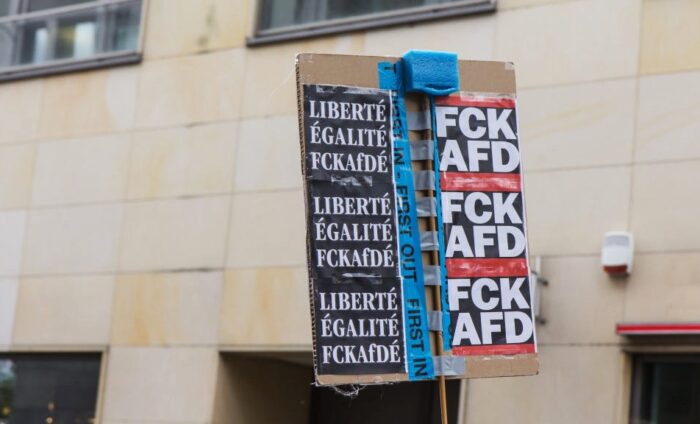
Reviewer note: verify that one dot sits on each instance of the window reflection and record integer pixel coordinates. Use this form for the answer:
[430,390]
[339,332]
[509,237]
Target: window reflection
[76,36]
[35,5]
[48,388]
[282,13]
[36,32]
[36,43]
[7,384]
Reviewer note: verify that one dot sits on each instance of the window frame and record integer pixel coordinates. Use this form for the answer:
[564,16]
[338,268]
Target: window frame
[364,22]
[58,66]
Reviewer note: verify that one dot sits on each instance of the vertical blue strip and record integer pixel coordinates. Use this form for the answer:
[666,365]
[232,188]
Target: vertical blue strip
[416,333]
[446,321]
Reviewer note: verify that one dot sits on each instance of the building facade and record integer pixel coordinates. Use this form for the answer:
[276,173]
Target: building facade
[152,256]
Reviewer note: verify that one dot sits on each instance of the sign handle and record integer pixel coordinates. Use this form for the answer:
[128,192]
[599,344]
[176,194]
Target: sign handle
[433,74]
[437,305]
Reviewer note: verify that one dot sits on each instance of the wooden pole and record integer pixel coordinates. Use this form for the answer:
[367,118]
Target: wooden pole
[418,103]
[437,306]
[437,295]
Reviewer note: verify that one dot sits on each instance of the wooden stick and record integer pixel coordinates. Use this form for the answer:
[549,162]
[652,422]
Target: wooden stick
[437,296]
[437,305]
[422,102]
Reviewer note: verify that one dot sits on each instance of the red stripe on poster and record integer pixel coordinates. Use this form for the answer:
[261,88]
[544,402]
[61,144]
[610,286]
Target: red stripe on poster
[492,267]
[500,102]
[472,181]
[511,349]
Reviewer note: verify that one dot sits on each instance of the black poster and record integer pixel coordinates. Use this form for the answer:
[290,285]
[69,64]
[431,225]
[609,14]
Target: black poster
[351,231]
[483,216]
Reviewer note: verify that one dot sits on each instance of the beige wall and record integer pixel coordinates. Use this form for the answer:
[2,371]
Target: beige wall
[132,199]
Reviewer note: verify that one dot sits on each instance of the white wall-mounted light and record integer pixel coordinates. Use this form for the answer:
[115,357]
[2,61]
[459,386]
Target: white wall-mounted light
[618,253]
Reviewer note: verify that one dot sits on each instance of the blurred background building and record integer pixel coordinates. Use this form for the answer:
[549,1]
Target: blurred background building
[152,262]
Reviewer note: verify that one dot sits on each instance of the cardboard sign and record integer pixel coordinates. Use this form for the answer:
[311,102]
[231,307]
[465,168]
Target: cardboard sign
[488,288]
[369,302]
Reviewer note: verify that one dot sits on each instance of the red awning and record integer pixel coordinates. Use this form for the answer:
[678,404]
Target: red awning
[657,328]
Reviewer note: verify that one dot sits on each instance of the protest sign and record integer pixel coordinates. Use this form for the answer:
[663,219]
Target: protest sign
[373,240]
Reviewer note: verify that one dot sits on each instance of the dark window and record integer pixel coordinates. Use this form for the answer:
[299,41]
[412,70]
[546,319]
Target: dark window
[48,388]
[289,19]
[666,389]
[43,36]
[34,5]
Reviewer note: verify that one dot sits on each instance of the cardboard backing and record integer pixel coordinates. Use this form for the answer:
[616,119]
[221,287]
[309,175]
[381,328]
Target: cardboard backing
[361,71]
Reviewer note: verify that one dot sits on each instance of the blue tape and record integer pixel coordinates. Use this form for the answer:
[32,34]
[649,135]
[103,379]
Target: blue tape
[387,76]
[431,72]
[418,355]
[446,321]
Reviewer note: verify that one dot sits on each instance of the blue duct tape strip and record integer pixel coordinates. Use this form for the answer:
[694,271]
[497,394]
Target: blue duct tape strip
[446,321]
[418,355]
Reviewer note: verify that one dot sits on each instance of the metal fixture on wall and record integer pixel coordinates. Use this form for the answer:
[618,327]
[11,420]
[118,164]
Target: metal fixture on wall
[538,283]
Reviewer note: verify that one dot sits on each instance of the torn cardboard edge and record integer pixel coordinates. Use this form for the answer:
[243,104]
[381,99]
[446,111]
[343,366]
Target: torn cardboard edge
[491,366]
[361,71]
